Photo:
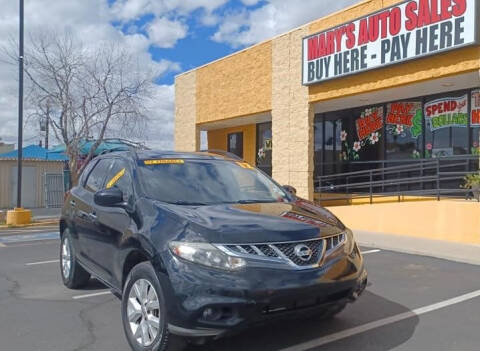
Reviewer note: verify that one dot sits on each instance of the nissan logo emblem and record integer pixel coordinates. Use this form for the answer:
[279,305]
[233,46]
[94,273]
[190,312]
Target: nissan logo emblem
[303,252]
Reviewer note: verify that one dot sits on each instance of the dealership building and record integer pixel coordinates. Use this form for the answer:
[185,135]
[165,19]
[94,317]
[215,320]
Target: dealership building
[377,84]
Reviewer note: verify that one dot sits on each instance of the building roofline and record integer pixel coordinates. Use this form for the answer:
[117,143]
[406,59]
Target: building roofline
[274,37]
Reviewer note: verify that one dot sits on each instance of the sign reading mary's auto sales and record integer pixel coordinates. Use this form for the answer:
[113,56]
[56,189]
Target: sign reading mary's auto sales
[409,30]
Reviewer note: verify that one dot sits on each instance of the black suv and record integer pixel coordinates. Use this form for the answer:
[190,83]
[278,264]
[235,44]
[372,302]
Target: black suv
[202,244]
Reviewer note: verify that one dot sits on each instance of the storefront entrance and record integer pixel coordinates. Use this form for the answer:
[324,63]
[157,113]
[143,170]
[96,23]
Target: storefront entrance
[397,133]
[264,147]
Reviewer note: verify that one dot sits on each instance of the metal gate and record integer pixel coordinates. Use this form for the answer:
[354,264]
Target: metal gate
[54,190]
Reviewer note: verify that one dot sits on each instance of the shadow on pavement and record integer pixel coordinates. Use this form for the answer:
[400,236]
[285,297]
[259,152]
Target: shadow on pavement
[280,335]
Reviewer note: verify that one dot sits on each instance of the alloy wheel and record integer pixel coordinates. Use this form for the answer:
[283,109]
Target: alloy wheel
[66,258]
[143,312]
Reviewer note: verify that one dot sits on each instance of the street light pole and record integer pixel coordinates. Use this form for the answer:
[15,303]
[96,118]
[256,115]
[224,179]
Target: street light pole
[20,111]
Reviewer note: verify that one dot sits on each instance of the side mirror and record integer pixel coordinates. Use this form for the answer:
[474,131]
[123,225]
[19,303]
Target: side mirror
[108,197]
[290,189]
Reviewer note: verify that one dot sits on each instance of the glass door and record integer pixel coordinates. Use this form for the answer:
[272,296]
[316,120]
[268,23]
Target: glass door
[264,147]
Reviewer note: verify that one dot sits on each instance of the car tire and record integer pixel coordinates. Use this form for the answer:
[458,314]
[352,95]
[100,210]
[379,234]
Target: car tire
[74,276]
[144,313]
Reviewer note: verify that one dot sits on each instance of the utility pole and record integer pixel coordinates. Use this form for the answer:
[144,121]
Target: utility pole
[20,110]
[47,122]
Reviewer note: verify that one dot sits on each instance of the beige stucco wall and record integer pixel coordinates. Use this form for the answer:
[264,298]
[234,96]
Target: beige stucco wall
[292,116]
[187,136]
[235,86]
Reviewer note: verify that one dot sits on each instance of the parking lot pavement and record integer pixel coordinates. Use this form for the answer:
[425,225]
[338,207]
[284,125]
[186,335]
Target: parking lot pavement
[412,303]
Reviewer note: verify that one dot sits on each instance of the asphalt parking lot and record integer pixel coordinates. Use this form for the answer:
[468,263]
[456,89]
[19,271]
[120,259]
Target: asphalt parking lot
[412,303]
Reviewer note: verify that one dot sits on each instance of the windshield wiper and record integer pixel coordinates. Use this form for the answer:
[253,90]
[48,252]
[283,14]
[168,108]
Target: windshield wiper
[187,203]
[255,201]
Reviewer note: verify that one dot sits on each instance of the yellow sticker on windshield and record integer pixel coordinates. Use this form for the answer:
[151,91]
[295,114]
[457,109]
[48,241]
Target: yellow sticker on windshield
[245,165]
[163,162]
[115,179]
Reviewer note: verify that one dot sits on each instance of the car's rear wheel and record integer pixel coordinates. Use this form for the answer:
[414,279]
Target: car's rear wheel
[143,310]
[74,276]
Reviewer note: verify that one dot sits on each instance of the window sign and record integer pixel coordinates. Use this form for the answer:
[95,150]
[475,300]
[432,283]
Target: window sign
[403,116]
[368,127]
[475,117]
[447,112]
[369,122]
[406,31]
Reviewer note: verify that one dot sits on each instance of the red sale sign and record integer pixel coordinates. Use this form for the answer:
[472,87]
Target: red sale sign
[475,120]
[369,122]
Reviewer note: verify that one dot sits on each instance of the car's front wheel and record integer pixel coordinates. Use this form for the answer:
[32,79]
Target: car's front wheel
[74,276]
[143,310]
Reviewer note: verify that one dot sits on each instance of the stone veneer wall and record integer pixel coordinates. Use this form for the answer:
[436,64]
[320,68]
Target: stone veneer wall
[187,135]
[292,116]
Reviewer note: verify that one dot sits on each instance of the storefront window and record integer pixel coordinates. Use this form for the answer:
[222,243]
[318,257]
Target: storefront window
[235,144]
[446,120]
[424,127]
[404,130]
[475,122]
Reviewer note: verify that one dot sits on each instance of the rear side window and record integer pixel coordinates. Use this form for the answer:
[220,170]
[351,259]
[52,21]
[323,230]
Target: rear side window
[96,178]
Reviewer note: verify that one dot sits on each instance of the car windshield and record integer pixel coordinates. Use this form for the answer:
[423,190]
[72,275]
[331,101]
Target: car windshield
[199,182]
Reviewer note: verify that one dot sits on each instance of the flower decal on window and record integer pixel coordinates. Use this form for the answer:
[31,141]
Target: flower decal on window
[374,138]
[343,135]
[357,146]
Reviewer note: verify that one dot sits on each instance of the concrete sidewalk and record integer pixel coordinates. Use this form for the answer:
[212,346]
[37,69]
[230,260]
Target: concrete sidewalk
[466,253]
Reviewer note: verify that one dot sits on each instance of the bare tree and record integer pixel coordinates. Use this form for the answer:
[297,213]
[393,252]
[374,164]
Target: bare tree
[86,93]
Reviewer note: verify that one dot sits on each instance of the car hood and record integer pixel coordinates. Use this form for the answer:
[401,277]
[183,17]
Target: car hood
[257,223]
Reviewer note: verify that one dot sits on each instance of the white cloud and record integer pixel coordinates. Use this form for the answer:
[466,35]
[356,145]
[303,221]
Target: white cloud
[250,2]
[247,27]
[165,33]
[160,135]
[131,9]
[89,20]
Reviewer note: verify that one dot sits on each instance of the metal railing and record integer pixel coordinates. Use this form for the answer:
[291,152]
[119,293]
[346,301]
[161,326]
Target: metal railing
[439,177]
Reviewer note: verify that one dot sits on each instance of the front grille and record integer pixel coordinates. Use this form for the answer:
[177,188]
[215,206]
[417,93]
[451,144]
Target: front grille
[286,251]
[334,241]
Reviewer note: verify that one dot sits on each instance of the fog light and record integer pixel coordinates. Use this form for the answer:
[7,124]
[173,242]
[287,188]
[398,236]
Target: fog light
[212,314]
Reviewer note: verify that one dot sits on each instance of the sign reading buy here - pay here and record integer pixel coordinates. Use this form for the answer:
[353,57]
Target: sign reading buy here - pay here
[412,29]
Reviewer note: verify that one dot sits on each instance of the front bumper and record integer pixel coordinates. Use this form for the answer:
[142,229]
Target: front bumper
[204,302]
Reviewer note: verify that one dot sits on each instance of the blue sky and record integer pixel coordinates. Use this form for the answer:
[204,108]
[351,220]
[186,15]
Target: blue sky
[202,43]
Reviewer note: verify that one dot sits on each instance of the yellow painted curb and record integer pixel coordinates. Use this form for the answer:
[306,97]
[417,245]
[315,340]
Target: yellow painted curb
[33,224]
[19,216]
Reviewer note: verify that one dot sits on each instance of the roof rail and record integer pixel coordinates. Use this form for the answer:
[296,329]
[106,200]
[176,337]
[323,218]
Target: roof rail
[222,153]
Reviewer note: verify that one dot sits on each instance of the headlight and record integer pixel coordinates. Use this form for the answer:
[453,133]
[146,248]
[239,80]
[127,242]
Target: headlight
[349,242]
[207,255]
